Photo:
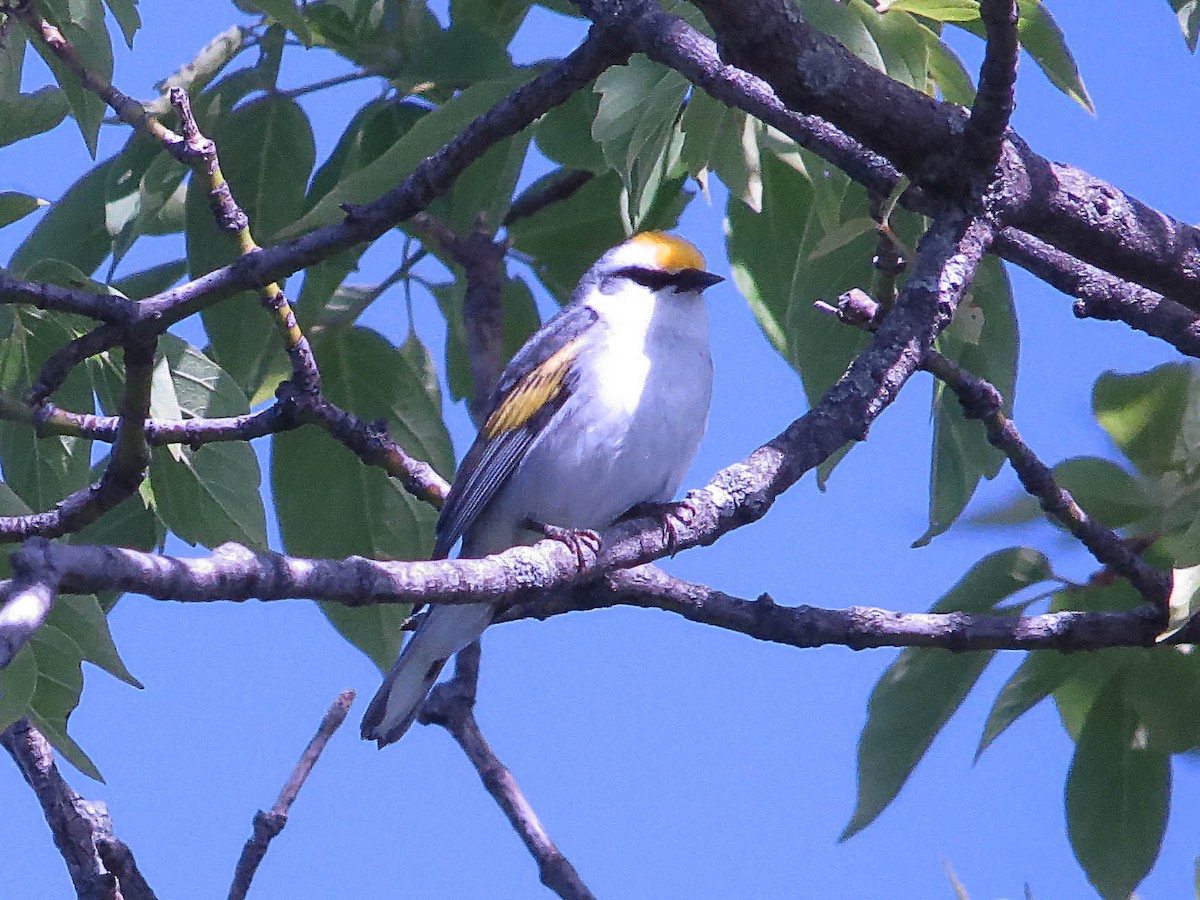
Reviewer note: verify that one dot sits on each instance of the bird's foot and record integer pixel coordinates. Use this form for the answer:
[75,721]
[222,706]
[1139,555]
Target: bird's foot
[581,541]
[671,516]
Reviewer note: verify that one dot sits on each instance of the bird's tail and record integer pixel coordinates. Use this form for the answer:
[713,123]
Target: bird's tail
[444,631]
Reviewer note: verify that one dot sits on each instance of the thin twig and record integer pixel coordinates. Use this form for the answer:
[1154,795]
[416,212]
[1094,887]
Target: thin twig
[268,824]
[452,705]
[100,865]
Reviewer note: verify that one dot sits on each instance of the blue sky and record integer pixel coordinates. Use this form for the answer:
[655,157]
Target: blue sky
[666,759]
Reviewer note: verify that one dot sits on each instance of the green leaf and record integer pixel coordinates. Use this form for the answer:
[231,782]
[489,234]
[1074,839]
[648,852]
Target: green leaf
[82,23]
[1038,676]
[41,470]
[374,128]
[1117,797]
[1163,688]
[1144,413]
[24,115]
[267,154]
[772,258]
[565,238]
[564,134]
[1040,36]
[444,61]
[126,14]
[55,731]
[637,128]
[12,61]
[81,619]
[211,496]
[921,690]
[286,13]
[1188,13]
[15,206]
[73,230]
[903,44]
[142,181]
[208,495]
[332,505]
[1104,490]
[982,339]
[938,10]
[17,682]
[501,18]
[423,139]
[56,692]
[148,282]
[844,23]
[724,141]
[483,193]
[193,76]
[1044,41]
[947,69]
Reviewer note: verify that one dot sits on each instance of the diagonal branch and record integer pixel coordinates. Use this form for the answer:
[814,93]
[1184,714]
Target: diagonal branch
[980,400]
[268,824]
[452,705]
[100,865]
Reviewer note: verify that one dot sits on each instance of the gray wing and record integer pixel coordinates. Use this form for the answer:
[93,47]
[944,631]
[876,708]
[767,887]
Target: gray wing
[495,455]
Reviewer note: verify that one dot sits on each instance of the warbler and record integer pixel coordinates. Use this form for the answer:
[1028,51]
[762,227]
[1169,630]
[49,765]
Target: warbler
[599,412]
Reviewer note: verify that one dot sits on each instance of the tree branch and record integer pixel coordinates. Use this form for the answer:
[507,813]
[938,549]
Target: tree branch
[481,258]
[858,627]
[983,135]
[100,865]
[980,400]
[452,705]
[267,825]
[126,467]
[1089,218]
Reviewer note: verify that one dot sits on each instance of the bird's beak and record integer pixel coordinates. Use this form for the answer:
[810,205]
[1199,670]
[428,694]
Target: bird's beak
[699,280]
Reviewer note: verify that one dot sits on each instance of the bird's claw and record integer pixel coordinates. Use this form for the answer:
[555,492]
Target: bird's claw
[581,541]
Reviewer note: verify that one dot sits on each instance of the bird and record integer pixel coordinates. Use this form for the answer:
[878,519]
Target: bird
[599,413]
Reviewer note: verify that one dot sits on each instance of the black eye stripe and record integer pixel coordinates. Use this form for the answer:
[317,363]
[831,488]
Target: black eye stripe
[656,279]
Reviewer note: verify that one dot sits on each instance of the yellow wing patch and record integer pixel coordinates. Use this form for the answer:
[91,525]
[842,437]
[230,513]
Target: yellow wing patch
[536,388]
[667,252]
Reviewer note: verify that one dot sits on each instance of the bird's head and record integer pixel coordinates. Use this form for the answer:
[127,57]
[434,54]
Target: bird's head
[654,259]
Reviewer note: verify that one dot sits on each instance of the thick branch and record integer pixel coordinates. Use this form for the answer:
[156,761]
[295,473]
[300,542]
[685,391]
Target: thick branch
[268,824]
[101,866]
[811,72]
[452,705]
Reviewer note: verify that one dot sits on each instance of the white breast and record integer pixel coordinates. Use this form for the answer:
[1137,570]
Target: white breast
[628,433]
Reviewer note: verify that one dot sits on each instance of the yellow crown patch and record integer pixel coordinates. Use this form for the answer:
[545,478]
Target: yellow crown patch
[667,252]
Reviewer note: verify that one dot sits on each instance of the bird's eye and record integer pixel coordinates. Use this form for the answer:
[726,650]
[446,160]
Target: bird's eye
[653,279]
